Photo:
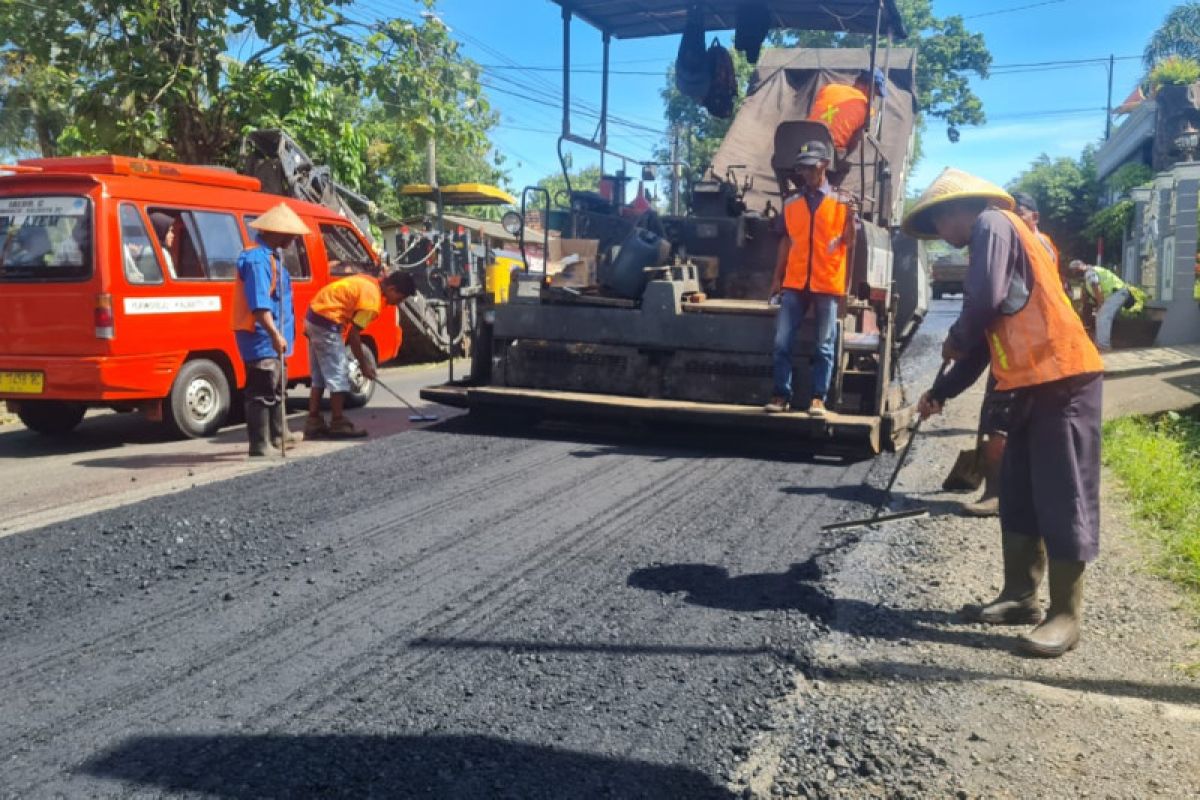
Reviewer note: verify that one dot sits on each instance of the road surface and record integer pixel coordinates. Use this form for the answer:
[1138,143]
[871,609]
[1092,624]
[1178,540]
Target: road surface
[450,612]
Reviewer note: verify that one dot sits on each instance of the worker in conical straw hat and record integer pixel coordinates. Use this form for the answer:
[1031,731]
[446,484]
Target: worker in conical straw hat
[1016,317]
[264,323]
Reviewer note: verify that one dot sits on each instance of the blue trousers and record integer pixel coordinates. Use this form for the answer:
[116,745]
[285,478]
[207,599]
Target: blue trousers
[792,308]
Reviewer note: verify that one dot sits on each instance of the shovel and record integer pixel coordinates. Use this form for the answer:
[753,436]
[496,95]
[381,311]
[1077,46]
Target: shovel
[416,416]
[967,473]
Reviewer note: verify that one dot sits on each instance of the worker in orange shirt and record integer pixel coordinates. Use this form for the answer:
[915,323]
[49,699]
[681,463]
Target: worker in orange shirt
[843,109]
[335,318]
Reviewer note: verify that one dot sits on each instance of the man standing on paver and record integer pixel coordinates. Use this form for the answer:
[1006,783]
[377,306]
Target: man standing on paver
[335,318]
[812,270]
[264,323]
[1016,315]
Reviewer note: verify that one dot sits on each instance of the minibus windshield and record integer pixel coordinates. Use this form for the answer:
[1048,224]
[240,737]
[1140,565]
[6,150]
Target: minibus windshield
[45,238]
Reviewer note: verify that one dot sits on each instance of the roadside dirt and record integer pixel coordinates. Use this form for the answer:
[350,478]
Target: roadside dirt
[902,700]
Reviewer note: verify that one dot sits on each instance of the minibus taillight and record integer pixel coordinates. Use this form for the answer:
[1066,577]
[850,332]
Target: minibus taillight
[103,317]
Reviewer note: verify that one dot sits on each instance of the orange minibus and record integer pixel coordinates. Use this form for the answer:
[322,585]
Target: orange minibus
[116,278]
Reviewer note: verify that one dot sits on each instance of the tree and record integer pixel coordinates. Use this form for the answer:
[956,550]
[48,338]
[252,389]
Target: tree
[1179,35]
[946,54]
[184,79]
[1067,193]
[583,180]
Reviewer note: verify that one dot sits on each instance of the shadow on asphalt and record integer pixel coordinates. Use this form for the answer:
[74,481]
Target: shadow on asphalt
[664,443]
[153,460]
[310,766]
[799,589]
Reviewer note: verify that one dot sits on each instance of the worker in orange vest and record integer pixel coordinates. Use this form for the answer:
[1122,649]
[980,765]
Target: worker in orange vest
[997,406]
[843,109]
[263,323]
[811,270]
[1017,317]
[335,318]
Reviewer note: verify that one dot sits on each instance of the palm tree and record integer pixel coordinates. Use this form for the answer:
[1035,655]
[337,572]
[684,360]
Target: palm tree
[1179,35]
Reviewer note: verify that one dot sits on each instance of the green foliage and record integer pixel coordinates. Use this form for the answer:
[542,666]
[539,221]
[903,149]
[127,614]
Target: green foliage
[1179,35]
[1129,176]
[1158,461]
[184,79]
[1067,192]
[1110,223]
[1175,71]
[584,180]
[947,53]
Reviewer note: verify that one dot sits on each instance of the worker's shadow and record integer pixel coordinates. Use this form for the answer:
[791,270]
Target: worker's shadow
[798,589]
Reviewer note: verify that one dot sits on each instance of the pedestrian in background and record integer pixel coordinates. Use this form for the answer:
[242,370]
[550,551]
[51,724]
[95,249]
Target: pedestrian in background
[264,324]
[1016,316]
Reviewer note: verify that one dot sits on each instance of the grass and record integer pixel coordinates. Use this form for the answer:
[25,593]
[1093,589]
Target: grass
[1158,460]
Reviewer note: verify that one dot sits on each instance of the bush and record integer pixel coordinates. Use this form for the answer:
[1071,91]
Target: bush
[1158,461]
[1175,71]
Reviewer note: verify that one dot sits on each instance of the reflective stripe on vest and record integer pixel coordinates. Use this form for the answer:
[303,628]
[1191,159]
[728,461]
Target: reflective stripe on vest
[243,315]
[1109,282]
[1044,341]
[817,257]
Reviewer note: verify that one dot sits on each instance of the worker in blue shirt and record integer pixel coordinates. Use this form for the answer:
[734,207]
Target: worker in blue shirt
[264,324]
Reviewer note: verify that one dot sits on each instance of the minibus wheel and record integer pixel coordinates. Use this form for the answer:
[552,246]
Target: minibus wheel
[361,389]
[51,417]
[199,401]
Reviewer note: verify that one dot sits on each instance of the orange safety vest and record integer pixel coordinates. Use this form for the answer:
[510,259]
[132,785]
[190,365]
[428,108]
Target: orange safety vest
[243,315]
[354,299]
[817,256]
[1044,341]
[843,109]
[1050,246]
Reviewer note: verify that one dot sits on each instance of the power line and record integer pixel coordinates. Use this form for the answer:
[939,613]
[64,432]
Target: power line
[1014,9]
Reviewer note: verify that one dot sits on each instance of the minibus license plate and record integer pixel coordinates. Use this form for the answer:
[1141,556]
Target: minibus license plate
[22,382]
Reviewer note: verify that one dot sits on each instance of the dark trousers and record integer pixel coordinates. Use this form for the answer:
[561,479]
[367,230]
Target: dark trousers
[262,383]
[1050,479]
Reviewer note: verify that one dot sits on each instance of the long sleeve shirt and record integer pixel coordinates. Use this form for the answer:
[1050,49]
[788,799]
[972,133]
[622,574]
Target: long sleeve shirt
[999,279]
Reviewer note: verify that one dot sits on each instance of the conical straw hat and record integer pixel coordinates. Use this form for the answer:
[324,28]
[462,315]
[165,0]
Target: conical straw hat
[952,184]
[281,219]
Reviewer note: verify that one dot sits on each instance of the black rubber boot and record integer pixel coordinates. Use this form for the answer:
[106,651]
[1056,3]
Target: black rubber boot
[1059,634]
[1017,603]
[279,434]
[258,426]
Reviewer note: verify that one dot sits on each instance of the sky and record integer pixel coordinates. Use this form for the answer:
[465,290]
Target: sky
[1031,110]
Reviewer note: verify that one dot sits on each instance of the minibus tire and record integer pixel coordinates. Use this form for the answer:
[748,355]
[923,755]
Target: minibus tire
[361,395]
[51,417]
[200,400]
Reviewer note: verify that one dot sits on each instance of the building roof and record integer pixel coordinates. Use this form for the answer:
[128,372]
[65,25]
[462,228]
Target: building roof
[1128,139]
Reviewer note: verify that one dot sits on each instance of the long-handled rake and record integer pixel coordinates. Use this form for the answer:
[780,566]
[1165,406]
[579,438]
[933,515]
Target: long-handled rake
[416,416]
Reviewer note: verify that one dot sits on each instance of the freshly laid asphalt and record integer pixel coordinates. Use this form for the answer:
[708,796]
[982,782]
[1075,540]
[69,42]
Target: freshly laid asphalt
[448,612]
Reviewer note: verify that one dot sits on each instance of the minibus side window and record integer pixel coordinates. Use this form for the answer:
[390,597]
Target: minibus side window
[140,262]
[175,231]
[345,251]
[295,257]
[221,240]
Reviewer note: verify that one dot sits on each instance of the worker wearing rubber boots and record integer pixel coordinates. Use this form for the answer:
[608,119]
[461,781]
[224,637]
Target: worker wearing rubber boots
[264,324]
[335,319]
[1016,315]
[996,410]
[811,271]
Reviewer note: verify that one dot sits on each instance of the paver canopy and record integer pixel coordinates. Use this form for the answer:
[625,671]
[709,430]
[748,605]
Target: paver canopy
[632,19]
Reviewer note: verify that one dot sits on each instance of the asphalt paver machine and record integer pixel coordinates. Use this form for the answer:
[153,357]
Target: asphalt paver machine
[676,328]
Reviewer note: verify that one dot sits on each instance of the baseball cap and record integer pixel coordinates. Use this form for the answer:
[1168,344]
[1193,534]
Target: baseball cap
[813,152]
[1025,201]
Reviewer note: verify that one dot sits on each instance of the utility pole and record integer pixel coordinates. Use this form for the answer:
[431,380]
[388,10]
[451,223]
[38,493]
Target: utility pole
[1108,115]
[675,171]
[431,171]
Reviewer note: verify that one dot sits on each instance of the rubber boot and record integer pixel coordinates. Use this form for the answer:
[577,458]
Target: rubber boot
[258,428]
[1060,632]
[1017,603]
[280,435]
[989,504]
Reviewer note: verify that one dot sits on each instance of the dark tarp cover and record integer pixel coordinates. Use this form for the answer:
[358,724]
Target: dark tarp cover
[782,90]
[631,19]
